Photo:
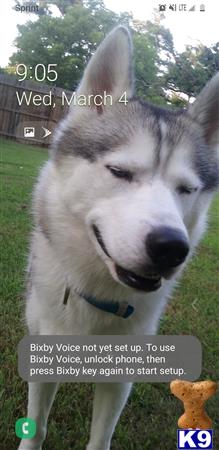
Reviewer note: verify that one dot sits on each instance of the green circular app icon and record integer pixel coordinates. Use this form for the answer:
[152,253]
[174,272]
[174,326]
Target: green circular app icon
[25,428]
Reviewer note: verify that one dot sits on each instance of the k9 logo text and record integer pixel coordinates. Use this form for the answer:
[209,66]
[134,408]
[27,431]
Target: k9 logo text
[195,439]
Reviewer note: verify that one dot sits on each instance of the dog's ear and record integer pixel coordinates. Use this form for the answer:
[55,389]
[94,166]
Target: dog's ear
[205,110]
[110,69]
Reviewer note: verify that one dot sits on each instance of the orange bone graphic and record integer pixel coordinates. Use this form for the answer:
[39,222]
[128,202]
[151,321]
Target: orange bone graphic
[194,396]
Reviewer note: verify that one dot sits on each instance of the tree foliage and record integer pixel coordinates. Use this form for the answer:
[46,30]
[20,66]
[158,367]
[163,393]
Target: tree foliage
[192,69]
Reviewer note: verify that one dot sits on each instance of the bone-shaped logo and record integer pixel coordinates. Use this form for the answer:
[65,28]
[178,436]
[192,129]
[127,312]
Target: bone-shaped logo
[194,396]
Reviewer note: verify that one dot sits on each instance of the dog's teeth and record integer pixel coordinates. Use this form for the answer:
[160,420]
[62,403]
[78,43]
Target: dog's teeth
[132,278]
[153,276]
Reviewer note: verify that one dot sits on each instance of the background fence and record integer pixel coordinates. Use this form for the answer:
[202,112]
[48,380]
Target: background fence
[14,117]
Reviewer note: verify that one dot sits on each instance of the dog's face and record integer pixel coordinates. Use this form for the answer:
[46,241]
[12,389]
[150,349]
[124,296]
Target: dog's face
[139,178]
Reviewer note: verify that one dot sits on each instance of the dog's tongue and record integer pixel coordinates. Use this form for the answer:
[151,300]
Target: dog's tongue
[136,281]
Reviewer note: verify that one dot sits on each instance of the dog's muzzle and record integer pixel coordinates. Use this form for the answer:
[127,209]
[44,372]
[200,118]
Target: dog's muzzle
[167,249]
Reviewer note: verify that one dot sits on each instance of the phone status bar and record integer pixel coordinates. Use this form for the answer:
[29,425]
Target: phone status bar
[181,7]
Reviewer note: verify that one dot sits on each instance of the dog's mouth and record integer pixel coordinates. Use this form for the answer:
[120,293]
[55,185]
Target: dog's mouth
[100,240]
[151,282]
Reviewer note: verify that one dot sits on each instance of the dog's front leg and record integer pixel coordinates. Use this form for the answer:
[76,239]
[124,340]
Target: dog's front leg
[109,401]
[40,400]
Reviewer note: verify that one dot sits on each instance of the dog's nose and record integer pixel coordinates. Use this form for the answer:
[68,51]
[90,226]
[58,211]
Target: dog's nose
[167,247]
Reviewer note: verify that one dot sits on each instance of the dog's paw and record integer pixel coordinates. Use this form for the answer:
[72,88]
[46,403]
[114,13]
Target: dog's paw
[29,448]
[25,446]
[94,447]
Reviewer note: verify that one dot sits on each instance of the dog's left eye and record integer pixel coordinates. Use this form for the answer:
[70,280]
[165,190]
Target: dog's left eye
[186,190]
[120,173]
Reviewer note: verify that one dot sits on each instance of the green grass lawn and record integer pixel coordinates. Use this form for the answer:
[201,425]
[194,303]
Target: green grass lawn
[149,421]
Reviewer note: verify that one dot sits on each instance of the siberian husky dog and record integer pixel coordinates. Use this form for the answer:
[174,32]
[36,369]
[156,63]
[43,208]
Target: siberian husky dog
[118,210]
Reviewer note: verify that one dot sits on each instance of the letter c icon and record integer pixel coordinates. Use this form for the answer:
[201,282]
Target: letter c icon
[24,428]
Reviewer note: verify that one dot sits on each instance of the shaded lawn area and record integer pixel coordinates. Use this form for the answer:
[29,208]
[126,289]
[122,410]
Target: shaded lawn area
[149,421]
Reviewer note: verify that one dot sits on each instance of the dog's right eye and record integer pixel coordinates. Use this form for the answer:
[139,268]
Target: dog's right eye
[120,173]
[186,190]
